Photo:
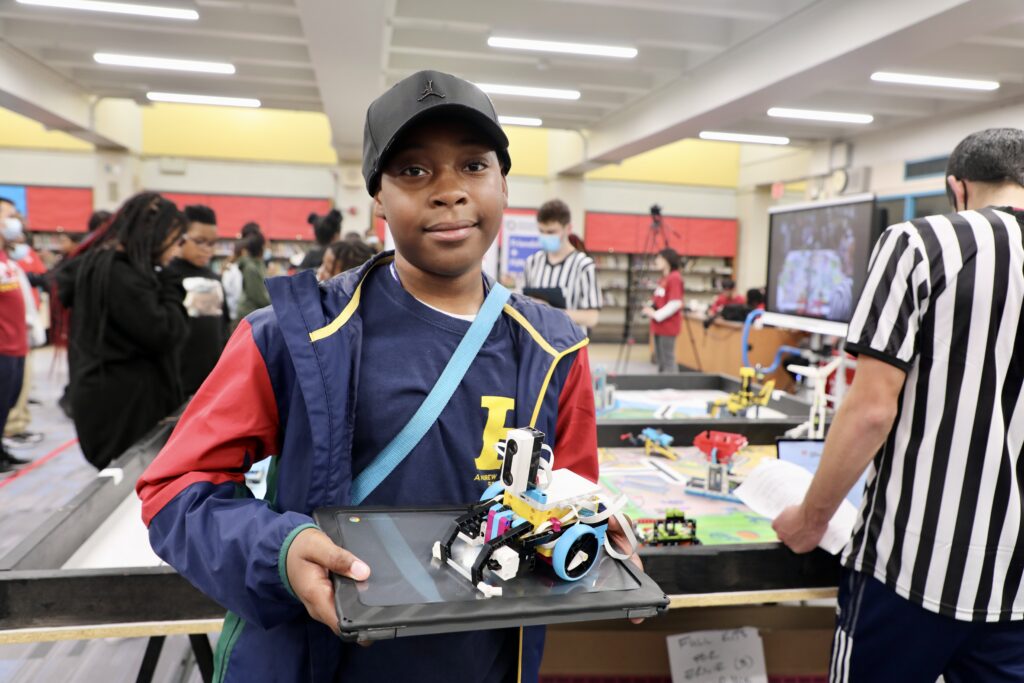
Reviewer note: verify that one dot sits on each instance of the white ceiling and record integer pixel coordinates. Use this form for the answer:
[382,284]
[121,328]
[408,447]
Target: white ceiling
[262,38]
[701,64]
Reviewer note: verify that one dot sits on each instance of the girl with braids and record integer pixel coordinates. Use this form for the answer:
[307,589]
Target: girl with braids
[127,320]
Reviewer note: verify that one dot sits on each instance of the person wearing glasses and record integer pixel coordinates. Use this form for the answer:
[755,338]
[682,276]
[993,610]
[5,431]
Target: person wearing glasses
[209,322]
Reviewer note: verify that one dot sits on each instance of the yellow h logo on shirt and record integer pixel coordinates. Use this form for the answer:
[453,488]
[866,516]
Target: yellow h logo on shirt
[497,408]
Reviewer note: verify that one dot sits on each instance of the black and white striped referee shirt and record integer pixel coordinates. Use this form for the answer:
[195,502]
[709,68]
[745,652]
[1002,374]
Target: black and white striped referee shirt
[576,276]
[941,521]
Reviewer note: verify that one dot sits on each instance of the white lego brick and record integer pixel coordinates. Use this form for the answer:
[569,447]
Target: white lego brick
[568,486]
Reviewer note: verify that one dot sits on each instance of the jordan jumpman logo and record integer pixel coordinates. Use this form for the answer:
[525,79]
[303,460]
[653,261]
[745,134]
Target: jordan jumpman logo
[428,91]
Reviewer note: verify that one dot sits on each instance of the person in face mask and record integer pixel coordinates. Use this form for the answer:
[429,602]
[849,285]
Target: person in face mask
[560,265]
[20,250]
[16,433]
[13,333]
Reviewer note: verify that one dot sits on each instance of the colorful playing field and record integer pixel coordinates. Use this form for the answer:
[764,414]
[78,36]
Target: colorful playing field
[654,484]
[669,404]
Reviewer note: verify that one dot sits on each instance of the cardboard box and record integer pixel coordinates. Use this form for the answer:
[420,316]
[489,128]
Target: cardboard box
[797,643]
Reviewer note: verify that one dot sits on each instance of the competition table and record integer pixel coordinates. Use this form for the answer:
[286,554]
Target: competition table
[677,405]
[89,572]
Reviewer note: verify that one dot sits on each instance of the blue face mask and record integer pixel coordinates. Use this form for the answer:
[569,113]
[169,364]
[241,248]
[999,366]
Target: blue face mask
[550,243]
[19,251]
[12,229]
[267,254]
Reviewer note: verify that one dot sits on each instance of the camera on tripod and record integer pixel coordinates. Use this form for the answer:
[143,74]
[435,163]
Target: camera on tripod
[655,213]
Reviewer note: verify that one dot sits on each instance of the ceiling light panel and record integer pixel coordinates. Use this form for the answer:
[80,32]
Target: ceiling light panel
[563,48]
[525,91]
[520,121]
[816,115]
[155,11]
[163,63]
[934,81]
[182,98]
[744,137]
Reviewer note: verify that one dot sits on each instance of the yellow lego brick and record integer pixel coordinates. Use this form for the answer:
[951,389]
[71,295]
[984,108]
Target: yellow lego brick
[533,515]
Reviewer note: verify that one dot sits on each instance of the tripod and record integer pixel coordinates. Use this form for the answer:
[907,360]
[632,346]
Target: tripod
[657,238]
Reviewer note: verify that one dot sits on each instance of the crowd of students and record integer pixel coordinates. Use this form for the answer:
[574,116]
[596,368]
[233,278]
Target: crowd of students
[140,311]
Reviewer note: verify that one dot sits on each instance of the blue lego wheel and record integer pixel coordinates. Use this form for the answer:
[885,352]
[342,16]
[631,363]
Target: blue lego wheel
[493,490]
[568,548]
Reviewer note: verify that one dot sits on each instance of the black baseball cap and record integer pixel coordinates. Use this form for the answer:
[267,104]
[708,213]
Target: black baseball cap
[412,98]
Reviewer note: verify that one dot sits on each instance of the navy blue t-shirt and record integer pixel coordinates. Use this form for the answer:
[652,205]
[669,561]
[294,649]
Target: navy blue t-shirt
[406,346]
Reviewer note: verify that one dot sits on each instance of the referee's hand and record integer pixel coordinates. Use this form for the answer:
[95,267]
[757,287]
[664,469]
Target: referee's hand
[794,527]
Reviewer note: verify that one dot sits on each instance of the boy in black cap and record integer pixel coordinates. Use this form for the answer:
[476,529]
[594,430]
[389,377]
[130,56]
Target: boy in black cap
[329,376]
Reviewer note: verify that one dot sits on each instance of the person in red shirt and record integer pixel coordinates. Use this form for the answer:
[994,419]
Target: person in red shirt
[665,311]
[728,297]
[16,433]
[13,339]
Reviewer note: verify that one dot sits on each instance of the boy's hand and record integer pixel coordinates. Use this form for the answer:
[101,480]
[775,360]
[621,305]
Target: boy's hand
[647,312]
[311,556]
[621,543]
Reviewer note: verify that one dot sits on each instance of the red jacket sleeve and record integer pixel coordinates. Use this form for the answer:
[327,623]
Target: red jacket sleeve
[576,426]
[231,422]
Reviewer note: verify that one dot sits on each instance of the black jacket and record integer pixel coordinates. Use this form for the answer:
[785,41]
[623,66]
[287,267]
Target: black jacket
[126,326]
[313,258]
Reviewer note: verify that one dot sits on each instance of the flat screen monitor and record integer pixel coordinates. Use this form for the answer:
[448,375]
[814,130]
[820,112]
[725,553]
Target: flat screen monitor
[818,257]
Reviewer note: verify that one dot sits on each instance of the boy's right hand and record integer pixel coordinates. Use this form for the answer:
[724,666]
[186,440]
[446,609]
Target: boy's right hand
[311,556]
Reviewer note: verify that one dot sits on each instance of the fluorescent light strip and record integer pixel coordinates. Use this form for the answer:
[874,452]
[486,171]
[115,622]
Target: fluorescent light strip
[565,48]
[117,8]
[519,121]
[203,99]
[814,115]
[524,91]
[143,62]
[744,137]
[934,81]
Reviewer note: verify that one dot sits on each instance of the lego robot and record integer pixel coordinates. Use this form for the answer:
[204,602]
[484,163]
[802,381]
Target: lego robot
[654,441]
[719,448]
[740,403]
[531,513]
[675,529]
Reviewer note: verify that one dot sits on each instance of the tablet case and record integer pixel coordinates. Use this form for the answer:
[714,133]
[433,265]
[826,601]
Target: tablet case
[553,295]
[409,593]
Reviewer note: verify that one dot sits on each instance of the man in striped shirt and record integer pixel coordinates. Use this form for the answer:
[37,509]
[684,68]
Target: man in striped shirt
[932,576]
[559,264]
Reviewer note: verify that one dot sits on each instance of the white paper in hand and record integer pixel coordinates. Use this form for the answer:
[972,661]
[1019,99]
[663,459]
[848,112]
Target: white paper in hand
[774,485]
[735,656]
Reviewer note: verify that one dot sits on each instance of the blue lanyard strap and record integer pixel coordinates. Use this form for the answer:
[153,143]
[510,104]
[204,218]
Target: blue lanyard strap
[428,412]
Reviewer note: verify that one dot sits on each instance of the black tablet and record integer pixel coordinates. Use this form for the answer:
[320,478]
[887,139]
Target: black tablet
[554,296]
[410,593]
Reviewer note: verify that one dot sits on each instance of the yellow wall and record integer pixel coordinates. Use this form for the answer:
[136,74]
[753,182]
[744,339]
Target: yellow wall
[284,136]
[686,162]
[188,130]
[528,148]
[20,131]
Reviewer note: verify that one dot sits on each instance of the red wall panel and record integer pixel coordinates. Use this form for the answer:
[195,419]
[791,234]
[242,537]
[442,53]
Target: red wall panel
[282,218]
[53,208]
[689,236]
